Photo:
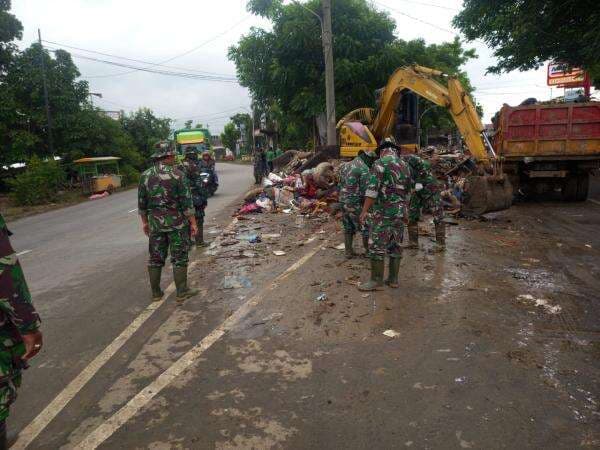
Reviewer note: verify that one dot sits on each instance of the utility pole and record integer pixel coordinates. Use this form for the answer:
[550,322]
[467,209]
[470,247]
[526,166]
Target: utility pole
[327,37]
[46,101]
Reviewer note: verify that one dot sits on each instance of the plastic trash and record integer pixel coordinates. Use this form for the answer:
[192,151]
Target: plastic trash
[391,333]
[321,297]
[235,282]
[278,252]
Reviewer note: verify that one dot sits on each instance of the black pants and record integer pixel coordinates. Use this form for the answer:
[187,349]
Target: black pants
[270,165]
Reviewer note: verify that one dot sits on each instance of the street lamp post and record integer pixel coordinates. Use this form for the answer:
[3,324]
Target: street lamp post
[327,40]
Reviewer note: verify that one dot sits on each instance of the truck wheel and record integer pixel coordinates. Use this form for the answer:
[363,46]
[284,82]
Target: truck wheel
[583,186]
[569,189]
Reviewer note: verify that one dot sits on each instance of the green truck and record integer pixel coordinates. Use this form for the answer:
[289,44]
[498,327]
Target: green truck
[196,137]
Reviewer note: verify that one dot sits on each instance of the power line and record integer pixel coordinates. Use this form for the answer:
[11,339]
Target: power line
[208,41]
[187,75]
[132,59]
[208,116]
[430,4]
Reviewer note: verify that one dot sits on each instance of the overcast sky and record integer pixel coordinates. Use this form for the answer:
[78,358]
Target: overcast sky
[156,31]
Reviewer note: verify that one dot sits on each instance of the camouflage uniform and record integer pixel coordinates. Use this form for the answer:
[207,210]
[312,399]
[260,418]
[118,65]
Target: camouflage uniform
[260,166]
[429,195]
[17,317]
[191,168]
[354,176]
[389,184]
[164,197]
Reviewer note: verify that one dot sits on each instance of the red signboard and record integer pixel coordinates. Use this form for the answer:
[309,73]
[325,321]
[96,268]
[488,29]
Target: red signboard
[560,76]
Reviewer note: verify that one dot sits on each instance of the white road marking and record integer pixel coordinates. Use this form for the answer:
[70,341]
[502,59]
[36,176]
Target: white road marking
[24,252]
[42,420]
[133,210]
[593,201]
[142,398]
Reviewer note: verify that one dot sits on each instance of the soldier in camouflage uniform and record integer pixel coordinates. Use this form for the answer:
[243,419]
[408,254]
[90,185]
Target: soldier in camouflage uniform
[386,196]
[354,176]
[199,191]
[167,213]
[425,194]
[20,338]
[260,165]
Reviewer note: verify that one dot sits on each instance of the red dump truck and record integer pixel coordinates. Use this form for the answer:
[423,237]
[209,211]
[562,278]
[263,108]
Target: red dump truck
[549,147]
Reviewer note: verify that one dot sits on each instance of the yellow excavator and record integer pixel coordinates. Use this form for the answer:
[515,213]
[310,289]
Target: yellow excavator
[363,129]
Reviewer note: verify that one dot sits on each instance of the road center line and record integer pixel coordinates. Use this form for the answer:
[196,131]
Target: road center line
[142,398]
[24,252]
[133,210]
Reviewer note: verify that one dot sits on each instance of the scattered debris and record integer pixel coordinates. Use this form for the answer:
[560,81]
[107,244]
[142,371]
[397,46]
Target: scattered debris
[321,297]
[278,252]
[391,333]
[235,282]
[549,308]
[341,246]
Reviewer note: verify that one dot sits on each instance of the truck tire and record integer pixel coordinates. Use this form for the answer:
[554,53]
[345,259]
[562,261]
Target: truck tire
[583,186]
[570,188]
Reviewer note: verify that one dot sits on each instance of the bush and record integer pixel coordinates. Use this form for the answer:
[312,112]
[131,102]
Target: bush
[130,175]
[39,184]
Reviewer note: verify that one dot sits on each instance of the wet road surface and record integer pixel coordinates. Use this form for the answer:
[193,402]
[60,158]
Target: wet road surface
[498,345]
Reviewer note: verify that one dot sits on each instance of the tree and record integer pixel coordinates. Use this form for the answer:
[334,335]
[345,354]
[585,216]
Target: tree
[243,121]
[230,135]
[284,68]
[526,34]
[146,129]
[10,29]
[188,124]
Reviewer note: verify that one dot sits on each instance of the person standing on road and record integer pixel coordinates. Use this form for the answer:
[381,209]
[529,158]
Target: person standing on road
[20,335]
[426,191]
[270,158]
[198,189]
[260,165]
[168,219]
[387,196]
[354,176]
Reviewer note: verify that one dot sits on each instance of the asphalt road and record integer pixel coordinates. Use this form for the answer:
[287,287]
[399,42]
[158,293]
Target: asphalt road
[85,266]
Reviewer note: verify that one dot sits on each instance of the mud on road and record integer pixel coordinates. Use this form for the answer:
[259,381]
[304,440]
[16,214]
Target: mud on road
[498,342]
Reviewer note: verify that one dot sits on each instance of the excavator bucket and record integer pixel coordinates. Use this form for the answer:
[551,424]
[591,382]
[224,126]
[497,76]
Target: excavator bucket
[486,193]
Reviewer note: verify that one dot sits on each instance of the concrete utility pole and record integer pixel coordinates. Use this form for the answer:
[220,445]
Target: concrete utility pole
[327,36]
[47,102]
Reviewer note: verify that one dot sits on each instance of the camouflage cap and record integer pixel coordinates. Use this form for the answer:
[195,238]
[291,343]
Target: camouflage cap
[162,149]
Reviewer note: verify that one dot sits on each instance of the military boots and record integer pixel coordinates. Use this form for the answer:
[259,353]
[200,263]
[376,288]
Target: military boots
[154,274]
[349,245]
[200,236]
[180,277]
[376,281]
[413,235]
[365,240]
[392,280]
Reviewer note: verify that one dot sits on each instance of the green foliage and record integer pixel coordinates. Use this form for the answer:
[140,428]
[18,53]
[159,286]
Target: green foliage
[146,129]
[230,135]
[526,34]
[244,121]
[10,29]
[284,67]
[131,176]
[188,124]
[39,184]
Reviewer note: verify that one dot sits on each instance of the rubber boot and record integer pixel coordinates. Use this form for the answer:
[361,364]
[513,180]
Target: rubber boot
[392,280]
[180,278]
[413,235]
[349,245]
[200,236]
[154,274]
[365,240]
[376,281]
[440,237]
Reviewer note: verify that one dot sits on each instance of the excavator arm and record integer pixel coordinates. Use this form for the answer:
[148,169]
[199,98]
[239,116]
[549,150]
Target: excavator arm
[454,98]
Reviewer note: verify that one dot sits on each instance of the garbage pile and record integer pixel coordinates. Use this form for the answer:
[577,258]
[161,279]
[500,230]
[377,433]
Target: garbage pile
[310,192]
